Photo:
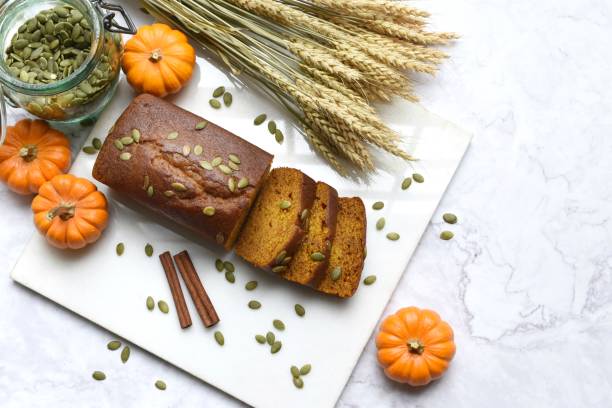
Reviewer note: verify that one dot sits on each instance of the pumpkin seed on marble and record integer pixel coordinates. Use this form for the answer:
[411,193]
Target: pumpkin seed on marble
[228,99]
[298,382]
[160,385]
[270,338]
[218,92]
[276,347]
[379,205]
[317,257]
[406,183]
[418,178]
[198,150]
[90,150]
[260,119]
[335,273]
[260,339]
[254,304]
[278,324]
[219,338]
[295,372]
[163,306]
[369,280]
[206,165]
[150,303]
[279,136]
[201,125]
[299,310]
[172,136]
[113,345]
[284,204]
[230,277]
[120,248]
[210,211]
[446,235]
[97,143]
[149,250]
[393,236]
[272,127]
[450,218]
[125,156]
[125,354]
[98,376]
[215,104]
[252,285]
[243,183]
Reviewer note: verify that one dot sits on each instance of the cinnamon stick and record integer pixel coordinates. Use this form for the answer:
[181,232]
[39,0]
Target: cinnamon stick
[175,288]
[204,306]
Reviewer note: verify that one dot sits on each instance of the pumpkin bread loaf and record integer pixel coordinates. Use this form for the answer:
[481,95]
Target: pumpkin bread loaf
[183,167]
[347,251]
[276,225]
[312,258]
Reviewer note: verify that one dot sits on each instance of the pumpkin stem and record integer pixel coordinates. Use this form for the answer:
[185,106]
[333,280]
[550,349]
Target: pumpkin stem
[28,153]
[156,55]
[64,211]
[415,347]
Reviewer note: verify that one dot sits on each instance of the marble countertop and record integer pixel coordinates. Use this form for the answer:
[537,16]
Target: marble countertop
[526,283]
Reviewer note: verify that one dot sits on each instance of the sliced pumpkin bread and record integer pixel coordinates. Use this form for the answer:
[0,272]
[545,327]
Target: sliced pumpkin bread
[347,251]
[312,258]
[275,227]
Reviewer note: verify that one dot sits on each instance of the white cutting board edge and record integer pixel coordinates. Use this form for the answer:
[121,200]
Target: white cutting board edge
[319,338]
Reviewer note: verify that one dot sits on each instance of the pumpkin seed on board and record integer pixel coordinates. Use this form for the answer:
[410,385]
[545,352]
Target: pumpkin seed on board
[97,143]
[120,248]
[218,92]
[150,303]
[276,347]
[299,310]
[255,305]
[446,235]
[230,277]
[260,119]
[149,250]
[201,125]
[163,306]
[380,224]
[160,385]
[379,205]
[125,354]
[272,127]
[113,345]
[229,266]
[393,236]
[298,382]
[98,376]
[219,265]
[450,218]
[228,99]
[260,339]
[270,338]
[90,150]
[295,372]
[305,369]
[406,183]
[418,178]
[369,280]
[252,285]
[335,273]
[219,338]
[215,104]
[279,136]
[278,324]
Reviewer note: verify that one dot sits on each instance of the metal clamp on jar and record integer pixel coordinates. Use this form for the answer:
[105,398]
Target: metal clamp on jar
[60,59]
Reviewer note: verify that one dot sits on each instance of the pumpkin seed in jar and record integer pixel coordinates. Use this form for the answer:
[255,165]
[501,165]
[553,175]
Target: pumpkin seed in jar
[278,324]
[254,304]
[219,338]
[299,310]
[150,303]
[260,119]
[215,104]
[446,235]
[218,92]
[418,178]
[163,306]
[228,99]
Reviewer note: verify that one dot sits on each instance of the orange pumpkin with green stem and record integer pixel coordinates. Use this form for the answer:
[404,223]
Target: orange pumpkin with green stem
[158,60]
[32,154]
[70,212]
[415,346]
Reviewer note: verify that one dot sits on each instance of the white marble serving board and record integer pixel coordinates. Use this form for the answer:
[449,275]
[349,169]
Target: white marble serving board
[111,291]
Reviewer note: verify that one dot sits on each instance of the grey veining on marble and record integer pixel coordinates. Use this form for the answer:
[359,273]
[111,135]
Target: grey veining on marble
[526,283]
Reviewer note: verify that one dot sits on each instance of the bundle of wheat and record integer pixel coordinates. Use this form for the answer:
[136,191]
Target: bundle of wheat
[324,60]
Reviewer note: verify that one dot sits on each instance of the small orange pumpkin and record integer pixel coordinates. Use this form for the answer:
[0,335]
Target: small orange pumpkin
[158,60]
[415,346]
[32,154]
[70,212]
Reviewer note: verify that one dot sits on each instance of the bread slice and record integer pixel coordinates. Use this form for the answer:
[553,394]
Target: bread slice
[275,228]
[320,233]
[348,249]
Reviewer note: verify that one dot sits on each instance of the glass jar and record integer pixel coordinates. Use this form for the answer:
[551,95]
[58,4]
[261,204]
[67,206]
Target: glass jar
[85,89]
